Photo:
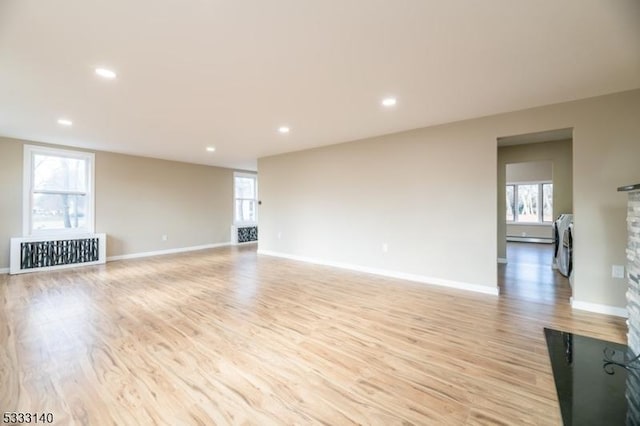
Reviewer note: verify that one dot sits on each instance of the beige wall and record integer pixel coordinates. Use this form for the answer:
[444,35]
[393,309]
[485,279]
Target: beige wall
[140,199]
[413,190]
[531,162]
[529,171]
[137,201]
[10,196]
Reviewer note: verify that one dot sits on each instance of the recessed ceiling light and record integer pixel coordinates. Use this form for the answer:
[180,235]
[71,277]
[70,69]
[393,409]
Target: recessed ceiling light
[65,122]
[284,129]
[389,102]
[211,149]
[105,73]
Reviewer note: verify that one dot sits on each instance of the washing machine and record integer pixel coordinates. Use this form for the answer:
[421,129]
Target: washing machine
[563,244]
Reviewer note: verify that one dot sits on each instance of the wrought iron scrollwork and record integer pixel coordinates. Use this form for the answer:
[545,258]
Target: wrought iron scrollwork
[610,363]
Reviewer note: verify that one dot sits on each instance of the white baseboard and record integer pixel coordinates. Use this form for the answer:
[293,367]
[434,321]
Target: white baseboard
[600,309]
[246,243]
[4,271]
[502,260]
[167,251]
[386,273]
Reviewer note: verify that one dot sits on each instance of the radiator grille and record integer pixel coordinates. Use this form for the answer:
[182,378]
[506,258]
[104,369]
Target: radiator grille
[38,254]
[247,233]
[32,253]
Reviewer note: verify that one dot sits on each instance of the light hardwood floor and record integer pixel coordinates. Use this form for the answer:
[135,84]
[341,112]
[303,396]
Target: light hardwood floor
[225,336]
[529,275]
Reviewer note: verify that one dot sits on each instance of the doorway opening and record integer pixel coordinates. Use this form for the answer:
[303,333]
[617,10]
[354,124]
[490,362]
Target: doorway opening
[535,188]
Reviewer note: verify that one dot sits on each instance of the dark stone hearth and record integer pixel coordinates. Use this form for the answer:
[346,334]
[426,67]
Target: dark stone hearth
[593,387]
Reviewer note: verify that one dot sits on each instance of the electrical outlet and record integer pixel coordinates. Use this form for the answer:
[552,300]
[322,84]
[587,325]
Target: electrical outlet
[524,234]
[385,247]
[164,237]
[279,235]
[617,271]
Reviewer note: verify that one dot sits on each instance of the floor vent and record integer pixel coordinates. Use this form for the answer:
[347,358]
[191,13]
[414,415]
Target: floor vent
[32,254]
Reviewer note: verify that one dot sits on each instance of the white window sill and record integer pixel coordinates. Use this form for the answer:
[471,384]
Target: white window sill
[530,223]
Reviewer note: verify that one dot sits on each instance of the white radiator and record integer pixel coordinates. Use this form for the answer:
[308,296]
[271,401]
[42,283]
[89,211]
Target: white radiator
[30,254]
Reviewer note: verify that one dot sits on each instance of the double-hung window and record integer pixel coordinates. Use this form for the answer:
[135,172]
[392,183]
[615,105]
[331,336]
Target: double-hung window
[58,191]
[245,198]
[530,202]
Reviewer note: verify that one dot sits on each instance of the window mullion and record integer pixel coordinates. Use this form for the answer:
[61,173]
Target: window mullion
[540,202]
[516,201]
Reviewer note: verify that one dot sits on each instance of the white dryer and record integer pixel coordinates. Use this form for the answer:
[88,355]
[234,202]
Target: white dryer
[563,237]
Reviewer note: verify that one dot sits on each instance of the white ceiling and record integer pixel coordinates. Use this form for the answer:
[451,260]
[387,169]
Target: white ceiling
[229,73]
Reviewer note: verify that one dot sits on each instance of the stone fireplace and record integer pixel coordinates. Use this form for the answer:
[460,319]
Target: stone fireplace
[633,256]
[633,302]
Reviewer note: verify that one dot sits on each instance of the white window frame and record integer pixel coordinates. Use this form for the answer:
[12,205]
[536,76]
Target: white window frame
[245,175]
[540,221]
[27,198]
